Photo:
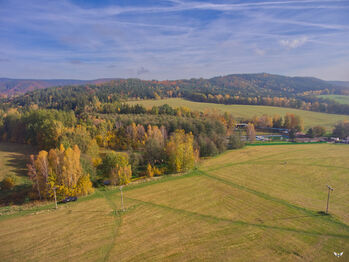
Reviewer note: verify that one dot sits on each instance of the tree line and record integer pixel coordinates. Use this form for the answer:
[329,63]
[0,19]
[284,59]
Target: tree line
[256,89]
[90,148]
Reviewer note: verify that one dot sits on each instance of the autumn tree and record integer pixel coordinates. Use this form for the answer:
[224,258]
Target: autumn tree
[121,175]
[341,129]
[277,121]
[316,131]
[154,151]
[8,183]
[180,151]
[293,122]
[42,174]
[60,169]
[251,132]
[150,171]
[116,168]
[263,121]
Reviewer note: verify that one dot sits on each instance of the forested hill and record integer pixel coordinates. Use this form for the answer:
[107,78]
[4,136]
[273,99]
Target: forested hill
[10,86]
[340,83]
[250,89]
[267,84]
[240,84]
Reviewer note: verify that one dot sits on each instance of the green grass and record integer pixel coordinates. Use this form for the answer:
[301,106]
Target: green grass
[338,98]
[246,111]
[253,204]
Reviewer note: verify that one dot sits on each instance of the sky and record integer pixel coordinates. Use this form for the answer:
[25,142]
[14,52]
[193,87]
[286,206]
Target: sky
[173,39]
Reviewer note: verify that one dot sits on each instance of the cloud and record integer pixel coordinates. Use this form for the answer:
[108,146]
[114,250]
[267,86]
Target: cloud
[259,51]
[293,43]
[142,70]
[215,39]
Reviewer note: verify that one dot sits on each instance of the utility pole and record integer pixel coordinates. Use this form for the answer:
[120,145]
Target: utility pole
[54,193]
[122,199]
[328,197]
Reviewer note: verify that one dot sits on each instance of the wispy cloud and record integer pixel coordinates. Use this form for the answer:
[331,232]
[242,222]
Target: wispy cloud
[259,51]
[170,39]
[294,43]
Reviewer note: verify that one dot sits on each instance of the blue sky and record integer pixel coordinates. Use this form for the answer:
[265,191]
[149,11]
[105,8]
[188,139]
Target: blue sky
[173,39]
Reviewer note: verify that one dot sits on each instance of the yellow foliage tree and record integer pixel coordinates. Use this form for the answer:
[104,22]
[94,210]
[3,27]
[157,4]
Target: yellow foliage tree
[59,169]
[150,171]
[180,151]
[121,175]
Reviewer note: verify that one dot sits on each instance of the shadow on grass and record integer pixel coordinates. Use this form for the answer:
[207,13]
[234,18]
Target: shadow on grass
[17,156]
[18,163]
[17,196]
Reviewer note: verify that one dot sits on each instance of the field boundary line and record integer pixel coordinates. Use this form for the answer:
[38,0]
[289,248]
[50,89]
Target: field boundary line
[274,199]
[272,162]
[117,224]
[237,222]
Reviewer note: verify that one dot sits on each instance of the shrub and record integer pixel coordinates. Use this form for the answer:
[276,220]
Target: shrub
[235,142]
[8,183]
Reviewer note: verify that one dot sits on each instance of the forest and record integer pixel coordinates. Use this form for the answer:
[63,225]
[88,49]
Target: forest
[88,136]
[249,89]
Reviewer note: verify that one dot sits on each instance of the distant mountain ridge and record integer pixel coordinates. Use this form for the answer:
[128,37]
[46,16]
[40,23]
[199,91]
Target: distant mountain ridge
[339,83]
[248,89]
[242,83]
[11,86]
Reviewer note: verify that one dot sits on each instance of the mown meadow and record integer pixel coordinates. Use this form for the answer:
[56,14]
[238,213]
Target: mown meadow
[254,204]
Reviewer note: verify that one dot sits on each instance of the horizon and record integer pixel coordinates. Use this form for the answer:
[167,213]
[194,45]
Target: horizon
[142,79]
[175,39]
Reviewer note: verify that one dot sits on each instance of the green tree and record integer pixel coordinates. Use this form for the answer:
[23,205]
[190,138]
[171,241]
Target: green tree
[116,168]
[235,141]
[316,131]
[341,129]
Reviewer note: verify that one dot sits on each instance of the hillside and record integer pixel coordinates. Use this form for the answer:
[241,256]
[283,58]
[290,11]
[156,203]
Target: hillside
[338,98]
[248,111]
[246,89]
[20,86]
[270,84]
[255,204]
[240,84]
[340,83]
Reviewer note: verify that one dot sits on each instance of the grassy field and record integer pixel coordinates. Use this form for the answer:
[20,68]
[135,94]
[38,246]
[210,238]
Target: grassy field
[245,111]
[13,160]
[254,204]
[338,98]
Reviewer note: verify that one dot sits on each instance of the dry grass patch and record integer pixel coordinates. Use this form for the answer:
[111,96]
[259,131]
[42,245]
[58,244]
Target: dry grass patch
[78,232]
[254,204]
